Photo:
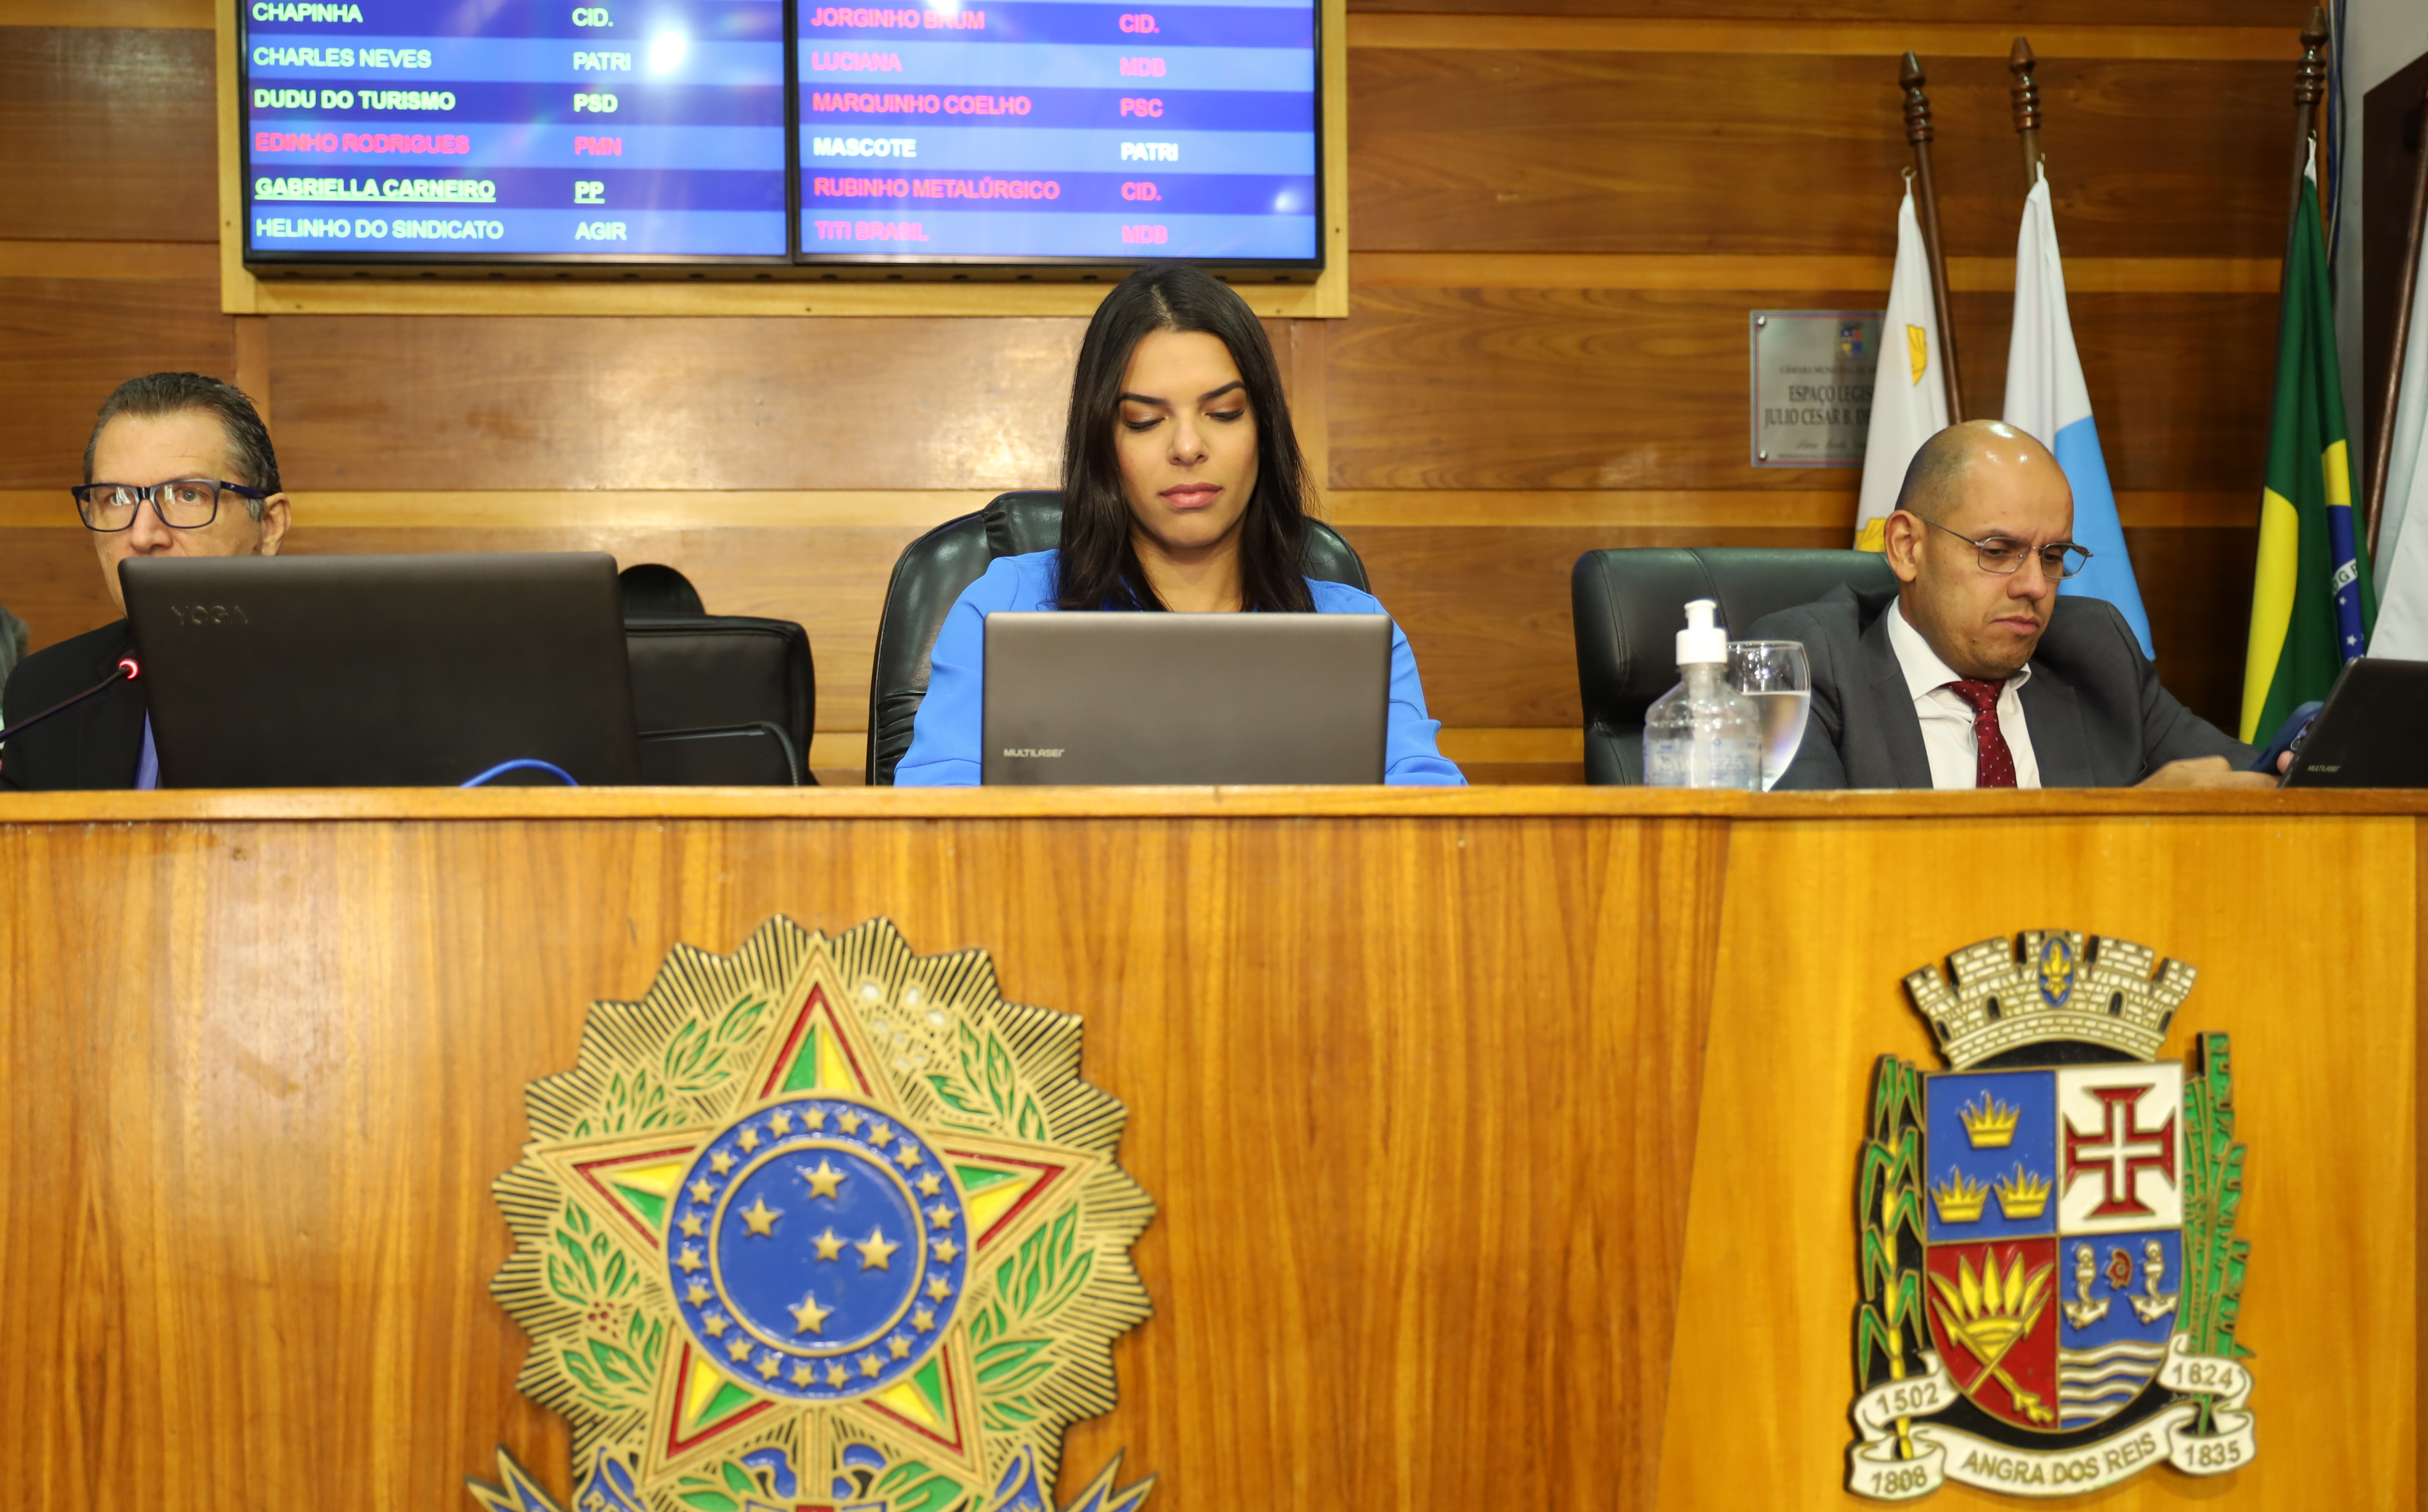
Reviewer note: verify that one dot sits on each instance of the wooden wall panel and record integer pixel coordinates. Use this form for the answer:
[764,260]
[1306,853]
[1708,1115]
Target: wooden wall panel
[66,343]
[2179,383]
[109,133]
[194,15]
[397,401]
[2196,585]
[1647,388]
[1623,152]
[50,578]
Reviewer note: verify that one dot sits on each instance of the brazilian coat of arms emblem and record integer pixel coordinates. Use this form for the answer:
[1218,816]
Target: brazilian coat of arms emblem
[821,1226]
[2051,1277]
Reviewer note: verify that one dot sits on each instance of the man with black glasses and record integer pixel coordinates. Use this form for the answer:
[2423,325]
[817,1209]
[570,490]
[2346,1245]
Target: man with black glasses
[1977,673]
[179,465]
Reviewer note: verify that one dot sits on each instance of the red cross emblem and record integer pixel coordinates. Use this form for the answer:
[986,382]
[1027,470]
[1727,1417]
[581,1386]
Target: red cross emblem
[2119,1150]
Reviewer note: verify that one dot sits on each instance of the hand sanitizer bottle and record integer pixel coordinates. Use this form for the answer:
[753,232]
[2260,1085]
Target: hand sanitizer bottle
[1703,733]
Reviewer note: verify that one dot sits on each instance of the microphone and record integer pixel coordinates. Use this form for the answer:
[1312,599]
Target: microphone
[127,670]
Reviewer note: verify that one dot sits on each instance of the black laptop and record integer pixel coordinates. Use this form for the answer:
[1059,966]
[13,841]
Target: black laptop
[2373,731]
[1186,699]
[383,671]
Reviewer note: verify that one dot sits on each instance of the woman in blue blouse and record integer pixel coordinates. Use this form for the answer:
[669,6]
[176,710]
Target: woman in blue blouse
[1183,489]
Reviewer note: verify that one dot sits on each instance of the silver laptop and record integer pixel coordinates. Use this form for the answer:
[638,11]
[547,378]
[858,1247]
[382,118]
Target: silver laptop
[383,671]
[1129,698]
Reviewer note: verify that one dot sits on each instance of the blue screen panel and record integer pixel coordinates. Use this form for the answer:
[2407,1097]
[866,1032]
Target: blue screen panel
[1121,131]
[442,130]
[1064,131]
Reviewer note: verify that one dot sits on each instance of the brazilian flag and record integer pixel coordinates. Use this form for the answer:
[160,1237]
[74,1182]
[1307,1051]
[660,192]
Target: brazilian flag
[2311,603]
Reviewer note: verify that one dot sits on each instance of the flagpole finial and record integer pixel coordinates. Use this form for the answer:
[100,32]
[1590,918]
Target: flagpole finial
[2026,95]
[1917,105]
[2309,83]
[2310,76]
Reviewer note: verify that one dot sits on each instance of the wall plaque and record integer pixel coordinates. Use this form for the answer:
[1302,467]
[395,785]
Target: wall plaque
[1813,385]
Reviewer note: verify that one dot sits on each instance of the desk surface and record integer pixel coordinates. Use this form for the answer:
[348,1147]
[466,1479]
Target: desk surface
[495,803]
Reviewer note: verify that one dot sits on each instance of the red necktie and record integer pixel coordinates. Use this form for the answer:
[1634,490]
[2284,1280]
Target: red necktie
[1993,764]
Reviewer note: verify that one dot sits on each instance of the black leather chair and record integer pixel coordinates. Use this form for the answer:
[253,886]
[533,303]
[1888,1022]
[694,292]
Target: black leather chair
[721,699]
[934,569]
[1631,604]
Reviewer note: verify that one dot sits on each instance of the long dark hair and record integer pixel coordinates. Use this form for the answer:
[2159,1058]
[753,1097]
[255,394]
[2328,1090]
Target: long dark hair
[1099,563]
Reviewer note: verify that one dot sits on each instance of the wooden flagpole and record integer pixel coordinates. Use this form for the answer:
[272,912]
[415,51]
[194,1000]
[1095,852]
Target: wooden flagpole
[1918,132]
[2025,94]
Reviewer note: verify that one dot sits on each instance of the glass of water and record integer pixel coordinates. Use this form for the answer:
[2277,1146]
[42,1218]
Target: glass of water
[1772,673]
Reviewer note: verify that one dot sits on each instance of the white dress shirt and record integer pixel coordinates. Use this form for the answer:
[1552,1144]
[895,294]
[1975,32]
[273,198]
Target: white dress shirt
[1947,720]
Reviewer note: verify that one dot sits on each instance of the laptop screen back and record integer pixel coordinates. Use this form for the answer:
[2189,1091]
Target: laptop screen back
[1130,699]
[2373,731]
[381,672]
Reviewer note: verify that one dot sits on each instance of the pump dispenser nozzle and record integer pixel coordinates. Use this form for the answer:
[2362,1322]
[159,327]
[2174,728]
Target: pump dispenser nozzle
[1702,640]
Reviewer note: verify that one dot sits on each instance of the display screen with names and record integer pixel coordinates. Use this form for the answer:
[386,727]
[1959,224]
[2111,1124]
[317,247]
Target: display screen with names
[1064,130]
[638,131]
[454,130]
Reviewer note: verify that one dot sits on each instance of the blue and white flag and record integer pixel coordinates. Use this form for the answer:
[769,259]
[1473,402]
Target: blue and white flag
[2402,537]
[2047,400]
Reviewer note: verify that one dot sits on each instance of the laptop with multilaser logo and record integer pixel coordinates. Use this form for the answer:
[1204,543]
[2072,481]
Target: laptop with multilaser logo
[2373,731]
[1141,698]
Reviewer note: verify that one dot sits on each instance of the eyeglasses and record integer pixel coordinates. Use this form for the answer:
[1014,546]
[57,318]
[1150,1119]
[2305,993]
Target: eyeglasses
[2059,559]
[182,503]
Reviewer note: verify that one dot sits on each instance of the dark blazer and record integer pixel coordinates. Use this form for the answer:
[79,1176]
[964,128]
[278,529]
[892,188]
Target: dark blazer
[2093,708]
[95,745]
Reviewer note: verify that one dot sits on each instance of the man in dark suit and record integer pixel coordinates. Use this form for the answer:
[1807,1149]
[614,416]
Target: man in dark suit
[168,428]
[1977,672]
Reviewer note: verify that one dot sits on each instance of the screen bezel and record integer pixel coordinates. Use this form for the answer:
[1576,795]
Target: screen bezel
[255,258]
[826,265]
[839,261]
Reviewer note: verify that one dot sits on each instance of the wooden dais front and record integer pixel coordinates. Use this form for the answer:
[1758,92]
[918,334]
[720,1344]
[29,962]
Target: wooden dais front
[1502,1142]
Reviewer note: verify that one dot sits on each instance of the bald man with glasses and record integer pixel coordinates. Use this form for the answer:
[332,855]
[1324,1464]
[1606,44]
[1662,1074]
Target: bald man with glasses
[1977,673]
[178,465]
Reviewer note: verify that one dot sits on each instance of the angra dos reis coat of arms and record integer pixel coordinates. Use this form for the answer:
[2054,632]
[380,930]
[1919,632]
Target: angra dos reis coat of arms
[821,1226]
[2051,1277]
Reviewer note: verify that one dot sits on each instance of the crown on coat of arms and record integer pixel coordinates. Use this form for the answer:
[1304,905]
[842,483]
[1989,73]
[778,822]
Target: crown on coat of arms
[2051,984]
[1992,1124]
[1960,1197]
[2022,1195]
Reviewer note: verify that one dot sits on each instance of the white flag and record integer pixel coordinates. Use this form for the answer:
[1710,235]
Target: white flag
[2403,541]
[2047,400]
[1909,392]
